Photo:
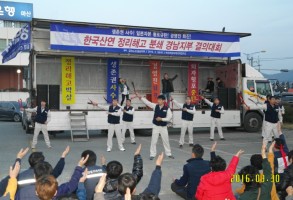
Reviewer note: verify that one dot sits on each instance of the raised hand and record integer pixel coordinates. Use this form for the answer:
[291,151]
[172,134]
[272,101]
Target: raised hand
[100,186]
[272,147]
[160,159]
[103,160]
[213,148]
[65,152]
[13,172]
[84,176]
[127,196]
[83,161]
[138,95]
[138,150]
[263,150]
[239,153]
[94,103]
[22,152]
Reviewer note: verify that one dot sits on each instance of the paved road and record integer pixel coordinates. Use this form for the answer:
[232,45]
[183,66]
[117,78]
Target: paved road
[12,138]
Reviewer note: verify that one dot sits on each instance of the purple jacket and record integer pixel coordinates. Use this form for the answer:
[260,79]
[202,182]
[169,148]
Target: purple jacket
[29,192]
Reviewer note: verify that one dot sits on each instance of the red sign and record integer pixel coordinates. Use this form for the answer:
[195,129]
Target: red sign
[193,81]
[155,68]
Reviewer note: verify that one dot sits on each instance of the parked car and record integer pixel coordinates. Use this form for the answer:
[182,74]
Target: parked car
[28,121]
[287,97]
[11,110]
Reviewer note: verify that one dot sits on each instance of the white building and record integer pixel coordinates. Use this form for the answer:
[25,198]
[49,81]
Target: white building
[13,16]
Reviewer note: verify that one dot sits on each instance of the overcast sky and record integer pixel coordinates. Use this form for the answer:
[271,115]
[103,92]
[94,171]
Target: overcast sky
[269,21]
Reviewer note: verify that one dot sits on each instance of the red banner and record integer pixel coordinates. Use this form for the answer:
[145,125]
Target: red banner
[193,81]
[155,68]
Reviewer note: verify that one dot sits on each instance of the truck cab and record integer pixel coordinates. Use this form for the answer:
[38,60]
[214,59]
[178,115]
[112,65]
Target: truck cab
[255,88]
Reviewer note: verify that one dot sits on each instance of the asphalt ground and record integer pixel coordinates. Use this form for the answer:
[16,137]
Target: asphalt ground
[13,137]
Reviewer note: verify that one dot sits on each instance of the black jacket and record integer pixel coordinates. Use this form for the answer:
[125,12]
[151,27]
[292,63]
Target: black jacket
[153,188]
[286,180]
[167,84]
[110,188]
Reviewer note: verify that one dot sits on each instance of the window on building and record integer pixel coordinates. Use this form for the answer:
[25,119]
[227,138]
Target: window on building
[13,24]
[3,44]
[1,23]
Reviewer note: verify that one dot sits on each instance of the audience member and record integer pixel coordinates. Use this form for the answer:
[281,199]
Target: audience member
[195,168]
[114,169]
[286,178]
[47,184]
[254,188]
[94,172]
[217,183]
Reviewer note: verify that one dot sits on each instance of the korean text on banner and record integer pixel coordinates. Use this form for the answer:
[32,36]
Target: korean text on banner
[68,80]
[193,81]
[112,79]
[143,41]
[15,11]
[20,43]
[155,68]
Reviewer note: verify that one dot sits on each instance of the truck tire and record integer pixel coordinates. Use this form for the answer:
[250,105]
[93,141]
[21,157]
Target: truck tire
[252,122]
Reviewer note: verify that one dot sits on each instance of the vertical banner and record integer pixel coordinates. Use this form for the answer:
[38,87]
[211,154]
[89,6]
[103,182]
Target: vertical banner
[155,68]
[112,79]
[193,81]
[68,80]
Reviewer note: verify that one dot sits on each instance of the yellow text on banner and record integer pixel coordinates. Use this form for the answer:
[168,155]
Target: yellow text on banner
[68,80]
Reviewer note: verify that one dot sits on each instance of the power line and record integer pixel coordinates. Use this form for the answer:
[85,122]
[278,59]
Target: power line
[276,59]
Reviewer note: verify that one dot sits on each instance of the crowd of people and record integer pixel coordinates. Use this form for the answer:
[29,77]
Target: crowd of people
[201,180]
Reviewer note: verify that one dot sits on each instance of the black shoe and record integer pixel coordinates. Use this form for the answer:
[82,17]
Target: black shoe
[191,145]
[180,146]
[152,158]
[133,143]
[222,139]
[212,139]
[171,157]
[269,142]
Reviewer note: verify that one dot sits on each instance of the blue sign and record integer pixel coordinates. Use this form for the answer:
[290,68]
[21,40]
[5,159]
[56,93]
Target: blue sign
[15,11]
[20,43]
[112,79]
[143,41]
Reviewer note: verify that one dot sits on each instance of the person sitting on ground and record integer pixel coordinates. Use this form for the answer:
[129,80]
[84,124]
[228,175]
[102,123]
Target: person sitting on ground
[217,183]
[256,161]
[4,181]
[281,151]
[286,180]
[12,182]
[127,185]
[195,168]
[27,177]
[94,172]
[114,169]
[253,188]
[46,184]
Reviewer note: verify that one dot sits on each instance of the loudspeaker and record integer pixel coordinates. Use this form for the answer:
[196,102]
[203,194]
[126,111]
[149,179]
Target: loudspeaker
[232,98]
[42,93]
[49,93]
[54,97]
[223,96]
